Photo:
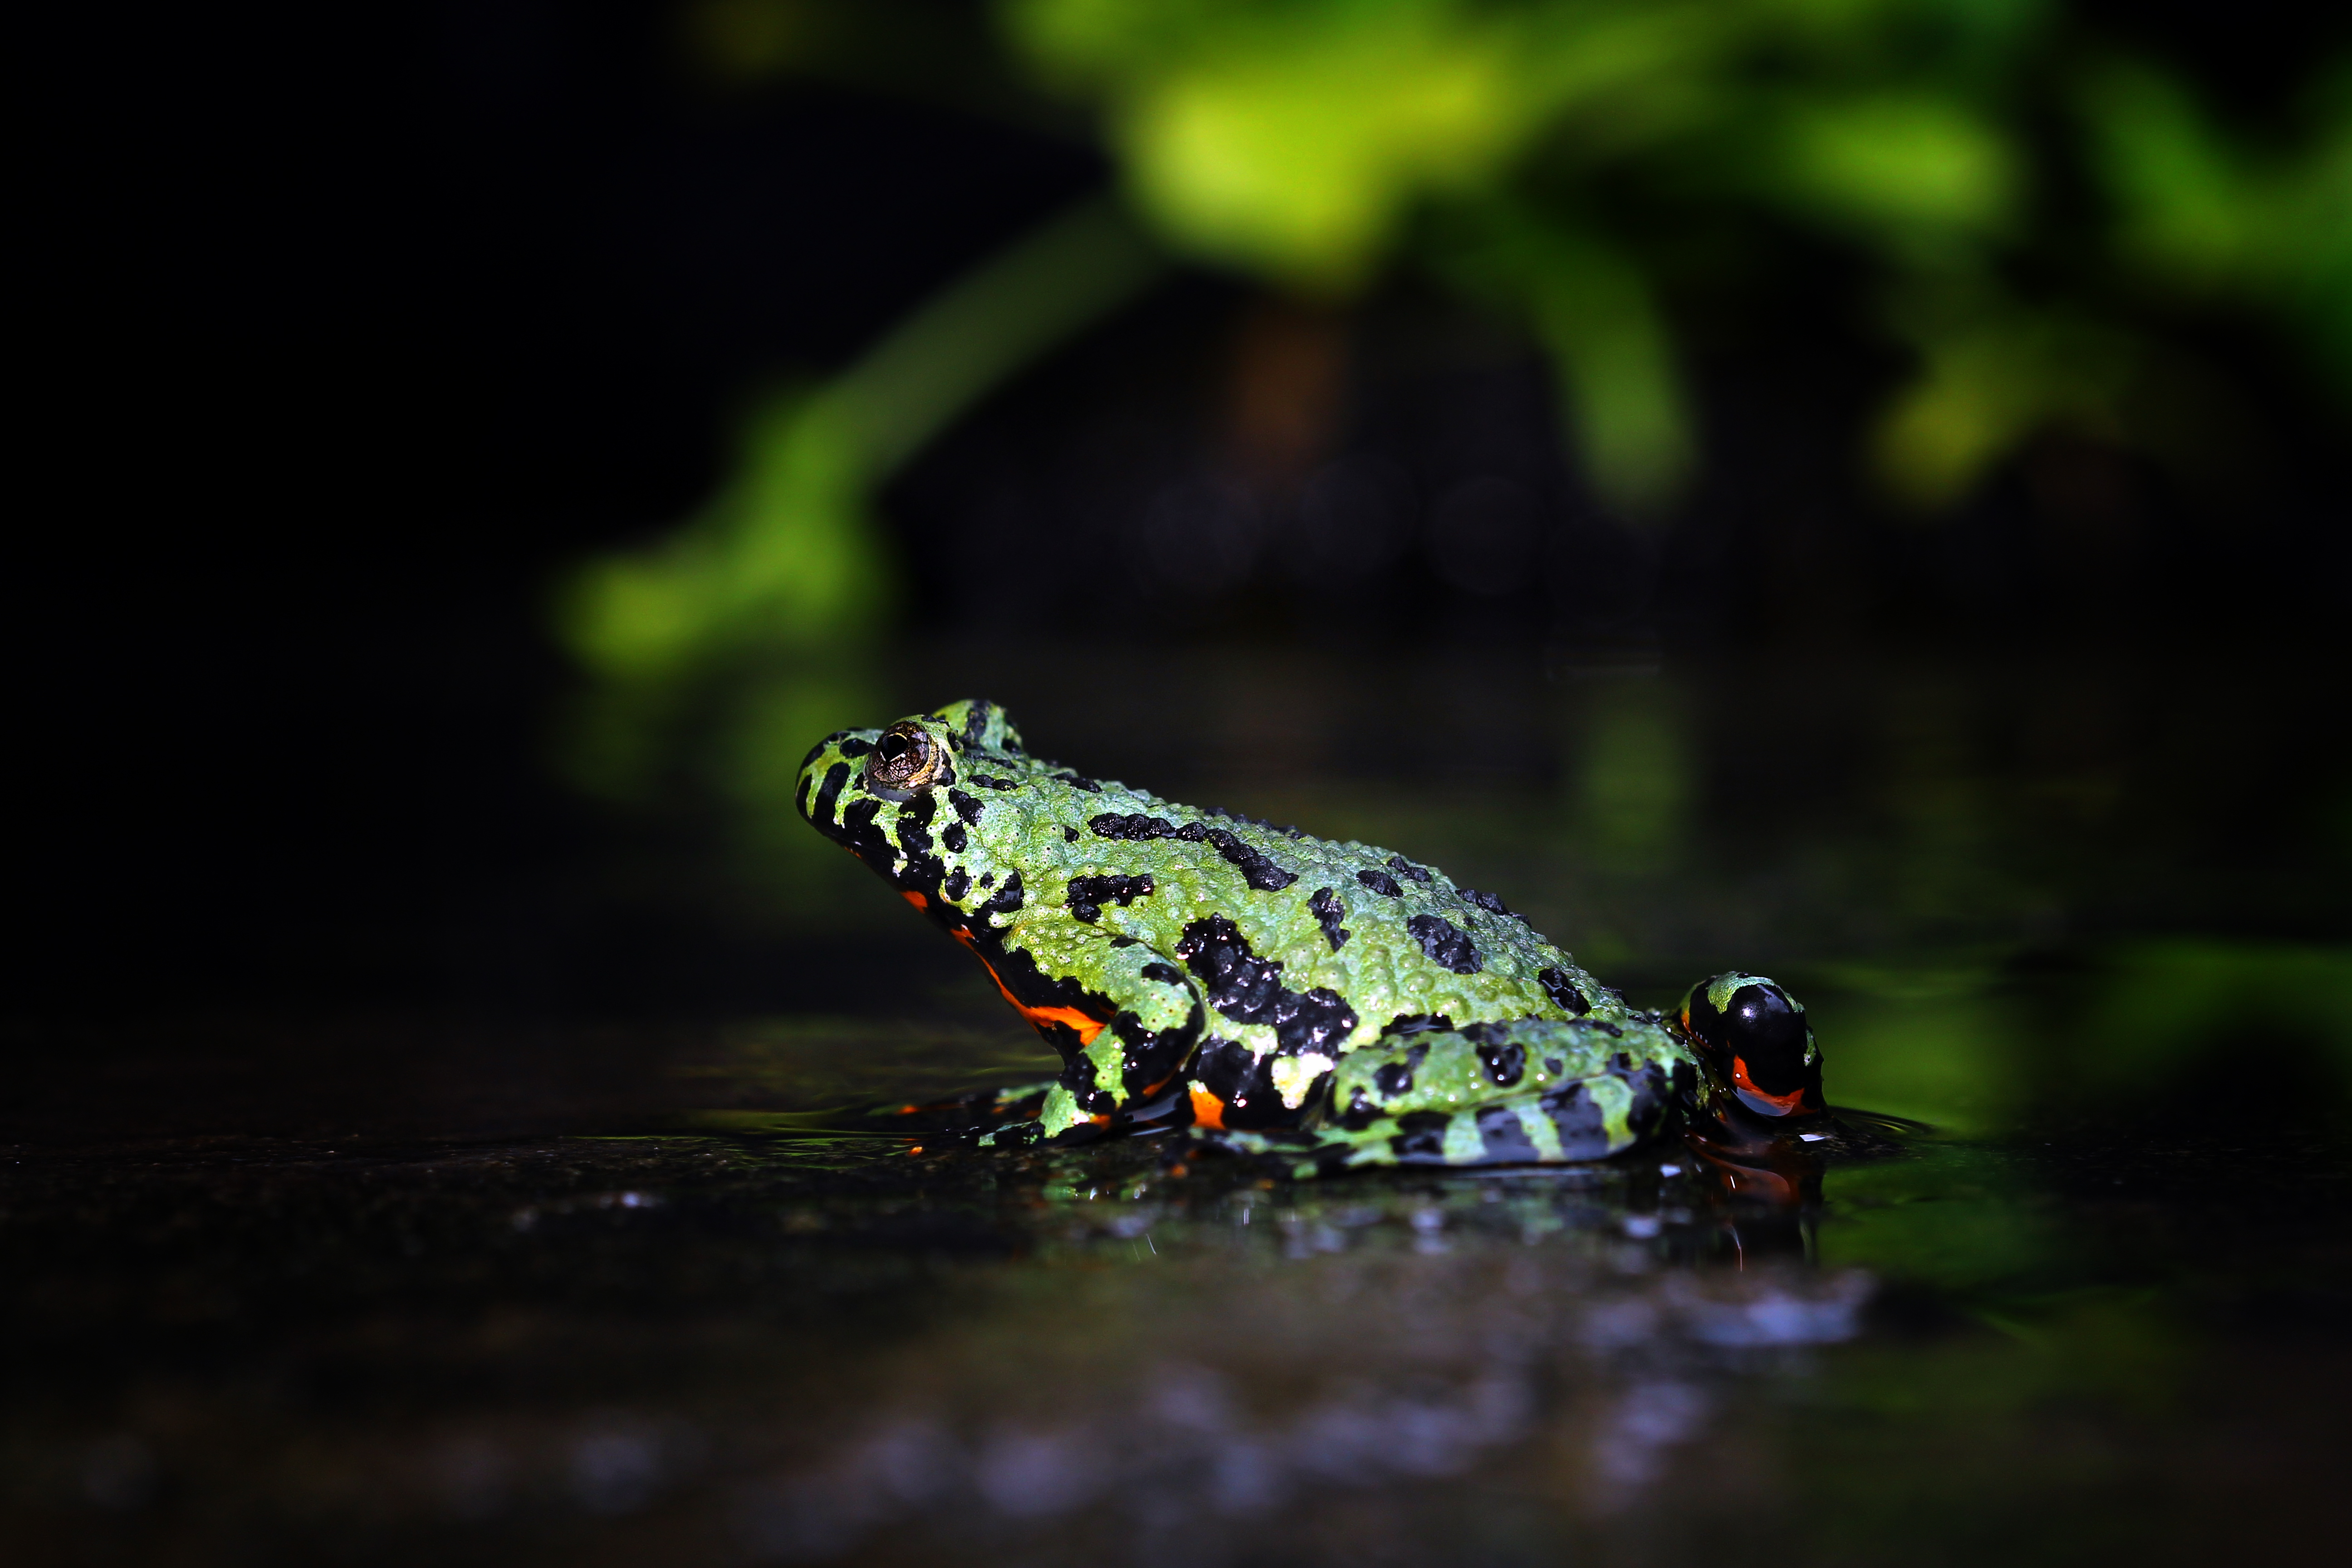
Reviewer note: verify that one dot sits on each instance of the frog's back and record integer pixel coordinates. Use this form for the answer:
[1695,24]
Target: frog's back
[1383,939]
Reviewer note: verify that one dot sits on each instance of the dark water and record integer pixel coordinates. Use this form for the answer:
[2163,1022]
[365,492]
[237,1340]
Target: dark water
[315,1285]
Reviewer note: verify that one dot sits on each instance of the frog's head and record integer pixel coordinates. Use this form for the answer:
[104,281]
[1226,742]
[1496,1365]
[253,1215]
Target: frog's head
[1754,1045]
[874,791]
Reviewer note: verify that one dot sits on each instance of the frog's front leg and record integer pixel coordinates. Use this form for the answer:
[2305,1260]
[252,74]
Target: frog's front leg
[1123,1048]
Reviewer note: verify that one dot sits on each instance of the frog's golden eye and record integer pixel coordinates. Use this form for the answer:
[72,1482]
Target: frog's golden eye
[905,759]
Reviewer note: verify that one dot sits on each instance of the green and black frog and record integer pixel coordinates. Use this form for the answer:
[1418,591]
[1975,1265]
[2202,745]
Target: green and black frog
[1273,992]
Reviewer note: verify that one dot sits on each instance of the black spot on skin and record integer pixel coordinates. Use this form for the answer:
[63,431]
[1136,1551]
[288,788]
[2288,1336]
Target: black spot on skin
[1421,1137]
[1149,1060]
[907,865]
[996,784]
[958,884]
[1225,1067]
[868,841]
[1069,835]
[1448,944]
[975,724]
[965,806]
[1506,1064]
[1360,1113]
[1327,914]
[953,837]
[988,878]
[1257,869]
[1076,780]
[1394,1079]
[1505,1139]
[1244,1084]
[1166,974]
[1381,882]
[1404,867]
[1486,902]
[1582,1134]
[828,793]
[1417,1024]
[1249,990]
[1563,992]
[915,823]
[1131,825]
[1553,1065]
[1089,894]
[854,747]
[1006,901]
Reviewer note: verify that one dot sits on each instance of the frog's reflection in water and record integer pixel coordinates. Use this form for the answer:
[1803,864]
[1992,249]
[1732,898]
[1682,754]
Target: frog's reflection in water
[1247,1365]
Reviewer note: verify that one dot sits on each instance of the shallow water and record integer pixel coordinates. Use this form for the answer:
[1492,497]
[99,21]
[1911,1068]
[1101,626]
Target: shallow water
[309,1287]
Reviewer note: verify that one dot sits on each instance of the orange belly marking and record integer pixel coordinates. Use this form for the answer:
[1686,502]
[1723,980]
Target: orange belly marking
[1082,1024]
[1208,1111]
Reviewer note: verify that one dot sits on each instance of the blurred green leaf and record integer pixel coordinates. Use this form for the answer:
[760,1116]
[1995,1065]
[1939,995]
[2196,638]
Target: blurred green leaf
[769,604]
[1994,374]
[786,557]
[1918,172]
[2025,207]
[1290,139]
[1622,400]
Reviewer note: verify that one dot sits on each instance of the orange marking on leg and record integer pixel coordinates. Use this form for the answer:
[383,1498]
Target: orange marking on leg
[915,898]
[1208,1111]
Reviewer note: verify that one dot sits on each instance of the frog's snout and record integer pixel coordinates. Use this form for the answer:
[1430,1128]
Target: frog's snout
[1755,1043]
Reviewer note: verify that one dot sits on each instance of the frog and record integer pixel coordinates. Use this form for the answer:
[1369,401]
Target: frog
[1333,1005]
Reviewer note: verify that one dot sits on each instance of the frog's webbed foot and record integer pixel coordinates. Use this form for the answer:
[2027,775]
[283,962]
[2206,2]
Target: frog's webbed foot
[1046,1126]
[1534,1091]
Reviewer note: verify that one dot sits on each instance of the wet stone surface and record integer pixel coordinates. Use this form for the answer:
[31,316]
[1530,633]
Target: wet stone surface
[722,1335]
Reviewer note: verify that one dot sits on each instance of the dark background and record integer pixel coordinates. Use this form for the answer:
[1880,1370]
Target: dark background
[346,334]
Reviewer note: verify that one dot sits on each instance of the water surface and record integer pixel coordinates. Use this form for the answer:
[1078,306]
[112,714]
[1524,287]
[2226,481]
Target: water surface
[316,1285]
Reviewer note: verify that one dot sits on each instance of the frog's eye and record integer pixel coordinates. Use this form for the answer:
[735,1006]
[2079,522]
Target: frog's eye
[1756,1042]
[905,759]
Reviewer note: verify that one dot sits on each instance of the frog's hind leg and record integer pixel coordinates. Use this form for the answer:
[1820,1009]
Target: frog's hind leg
[1531,1092]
